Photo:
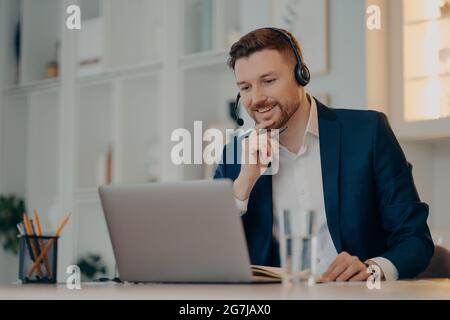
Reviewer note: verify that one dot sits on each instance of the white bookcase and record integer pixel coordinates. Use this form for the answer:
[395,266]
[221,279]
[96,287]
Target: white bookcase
[133,73]
[423,35]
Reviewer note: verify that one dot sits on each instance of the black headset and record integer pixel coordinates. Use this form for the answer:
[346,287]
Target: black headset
[301,71]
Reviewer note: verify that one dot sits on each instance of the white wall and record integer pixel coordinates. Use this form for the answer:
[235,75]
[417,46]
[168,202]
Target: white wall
[442,184]
[346,80]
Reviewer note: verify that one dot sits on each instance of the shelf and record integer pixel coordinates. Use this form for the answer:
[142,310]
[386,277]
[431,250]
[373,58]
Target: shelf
[113,74]
[426,130]
[424,22]
[122,72]
[419,78]
[204,59]
[35,86]
[84,195]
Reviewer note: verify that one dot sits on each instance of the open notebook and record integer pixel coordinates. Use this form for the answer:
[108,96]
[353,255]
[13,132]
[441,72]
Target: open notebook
[274,273]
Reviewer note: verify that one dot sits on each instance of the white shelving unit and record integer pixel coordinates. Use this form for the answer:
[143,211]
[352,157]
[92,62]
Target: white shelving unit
[133,73]
[425,40]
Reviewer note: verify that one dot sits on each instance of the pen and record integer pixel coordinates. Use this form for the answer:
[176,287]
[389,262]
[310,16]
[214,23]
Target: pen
[20,229]
[247,133]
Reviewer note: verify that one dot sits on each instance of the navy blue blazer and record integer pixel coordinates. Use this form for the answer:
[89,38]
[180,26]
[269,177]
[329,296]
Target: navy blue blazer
[371,202]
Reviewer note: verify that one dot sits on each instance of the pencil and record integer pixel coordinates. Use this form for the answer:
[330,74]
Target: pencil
[29,233]
[35,239]
[41,243]
[47,246]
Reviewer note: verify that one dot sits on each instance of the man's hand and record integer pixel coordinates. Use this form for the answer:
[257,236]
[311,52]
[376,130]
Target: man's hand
[256,154]
[347,268]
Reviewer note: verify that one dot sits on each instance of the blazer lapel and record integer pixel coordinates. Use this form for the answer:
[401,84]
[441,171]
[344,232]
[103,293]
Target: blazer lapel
[330,145]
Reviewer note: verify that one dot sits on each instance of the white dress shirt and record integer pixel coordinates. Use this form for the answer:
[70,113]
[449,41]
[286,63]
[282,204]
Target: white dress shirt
[298,188]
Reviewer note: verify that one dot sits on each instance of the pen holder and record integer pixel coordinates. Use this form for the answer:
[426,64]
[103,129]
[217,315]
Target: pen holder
[38,259]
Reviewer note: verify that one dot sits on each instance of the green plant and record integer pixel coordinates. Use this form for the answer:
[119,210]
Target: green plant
[11,210]
[91,265]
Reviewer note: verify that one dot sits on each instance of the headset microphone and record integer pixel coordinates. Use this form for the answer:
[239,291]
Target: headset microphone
[239,120]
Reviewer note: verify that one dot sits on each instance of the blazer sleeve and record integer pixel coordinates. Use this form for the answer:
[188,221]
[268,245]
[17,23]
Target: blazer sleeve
[404,216]
[221,169]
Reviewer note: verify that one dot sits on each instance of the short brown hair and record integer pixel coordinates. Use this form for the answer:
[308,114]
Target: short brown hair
[260,39]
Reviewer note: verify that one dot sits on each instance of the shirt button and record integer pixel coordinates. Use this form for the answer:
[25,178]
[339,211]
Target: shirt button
[302,192]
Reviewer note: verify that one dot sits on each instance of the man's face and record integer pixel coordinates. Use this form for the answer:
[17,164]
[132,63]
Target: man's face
[268,87]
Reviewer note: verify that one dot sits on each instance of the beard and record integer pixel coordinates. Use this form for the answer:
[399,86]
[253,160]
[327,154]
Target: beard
[287,112]
[281,114]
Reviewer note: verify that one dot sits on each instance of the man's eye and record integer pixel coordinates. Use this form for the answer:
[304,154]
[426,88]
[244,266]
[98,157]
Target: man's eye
[244,88]
[269,81]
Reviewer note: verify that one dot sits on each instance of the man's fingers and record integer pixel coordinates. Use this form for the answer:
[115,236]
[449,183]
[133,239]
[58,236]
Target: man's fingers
[263,153]
[336,262]
[260,145]
[361,276]
[335,272]
[340,266]
[351,270]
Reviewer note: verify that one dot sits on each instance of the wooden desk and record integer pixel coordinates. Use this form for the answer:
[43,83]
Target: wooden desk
[417,289]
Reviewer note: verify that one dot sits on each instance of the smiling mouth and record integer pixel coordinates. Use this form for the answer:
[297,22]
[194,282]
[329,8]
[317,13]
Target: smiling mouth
[266,109]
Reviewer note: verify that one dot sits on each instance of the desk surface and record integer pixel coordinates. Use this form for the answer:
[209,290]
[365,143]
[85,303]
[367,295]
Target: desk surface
[417,289]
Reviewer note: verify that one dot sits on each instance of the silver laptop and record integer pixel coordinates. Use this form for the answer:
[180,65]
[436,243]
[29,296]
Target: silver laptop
[177,232]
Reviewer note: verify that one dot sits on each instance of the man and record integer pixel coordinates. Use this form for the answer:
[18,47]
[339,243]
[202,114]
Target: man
[345,164]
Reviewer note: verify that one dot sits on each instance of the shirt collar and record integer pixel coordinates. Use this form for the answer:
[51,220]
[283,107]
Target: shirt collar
[313,122]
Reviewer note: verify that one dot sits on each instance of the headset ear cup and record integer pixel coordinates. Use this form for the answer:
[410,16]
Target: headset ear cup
[298,74]
[302,75]
[306,76]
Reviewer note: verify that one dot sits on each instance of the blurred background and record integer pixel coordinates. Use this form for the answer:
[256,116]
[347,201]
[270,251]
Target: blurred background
[81,108]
